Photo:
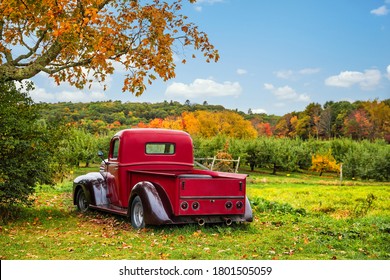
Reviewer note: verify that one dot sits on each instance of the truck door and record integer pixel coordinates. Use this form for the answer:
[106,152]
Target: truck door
[113,172]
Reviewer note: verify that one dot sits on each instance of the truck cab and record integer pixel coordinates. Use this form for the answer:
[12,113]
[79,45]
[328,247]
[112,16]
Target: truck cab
[149,176]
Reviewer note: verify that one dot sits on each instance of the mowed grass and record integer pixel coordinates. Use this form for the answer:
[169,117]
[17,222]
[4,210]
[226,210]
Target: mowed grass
[296,216]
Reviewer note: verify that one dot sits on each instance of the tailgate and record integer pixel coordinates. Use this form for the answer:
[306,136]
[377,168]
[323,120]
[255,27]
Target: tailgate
[211,196]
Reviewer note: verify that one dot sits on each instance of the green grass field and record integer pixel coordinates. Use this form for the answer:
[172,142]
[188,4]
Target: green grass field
[296,216]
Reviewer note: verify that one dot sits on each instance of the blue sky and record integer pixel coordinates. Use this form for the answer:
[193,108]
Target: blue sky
[277,56]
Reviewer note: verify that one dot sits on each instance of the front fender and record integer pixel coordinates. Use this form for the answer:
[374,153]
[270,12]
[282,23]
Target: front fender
[90,183]
[154,211]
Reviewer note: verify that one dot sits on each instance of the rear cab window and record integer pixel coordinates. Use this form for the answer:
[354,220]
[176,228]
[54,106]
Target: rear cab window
[160,148]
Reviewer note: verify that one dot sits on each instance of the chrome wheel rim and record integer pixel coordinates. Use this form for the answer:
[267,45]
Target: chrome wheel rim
[138,214]
[83,203]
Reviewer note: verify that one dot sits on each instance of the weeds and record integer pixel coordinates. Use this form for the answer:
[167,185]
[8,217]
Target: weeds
[262,205]
[364,205]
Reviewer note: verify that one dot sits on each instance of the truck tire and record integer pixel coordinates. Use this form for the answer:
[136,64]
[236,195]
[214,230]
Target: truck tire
[81,201]
[137,213]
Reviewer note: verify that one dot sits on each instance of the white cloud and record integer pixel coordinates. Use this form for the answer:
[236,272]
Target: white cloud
[309,71]
[203,88]
[75,96]
[46,90]
[388,70]
[367,80]
[118,65]
[286,93]
[269,86]
[198,8]
[381,11]
[284,74]
[241,71]
[42,95]
[259,111]
[290,74]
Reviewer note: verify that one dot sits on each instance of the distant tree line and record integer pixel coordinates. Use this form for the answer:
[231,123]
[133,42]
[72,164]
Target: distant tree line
[358,120]
[103,117]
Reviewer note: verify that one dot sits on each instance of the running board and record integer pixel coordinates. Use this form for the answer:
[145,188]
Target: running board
[110,208]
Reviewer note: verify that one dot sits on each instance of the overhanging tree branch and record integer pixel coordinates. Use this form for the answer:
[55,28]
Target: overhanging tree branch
[32,50]
[58,40]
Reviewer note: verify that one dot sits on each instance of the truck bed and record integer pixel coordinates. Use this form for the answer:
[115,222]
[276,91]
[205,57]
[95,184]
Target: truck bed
[200,192]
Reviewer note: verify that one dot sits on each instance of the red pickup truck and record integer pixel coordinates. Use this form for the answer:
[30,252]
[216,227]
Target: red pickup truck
[149,176]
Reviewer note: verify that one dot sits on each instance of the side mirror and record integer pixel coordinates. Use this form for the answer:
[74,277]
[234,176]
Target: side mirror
[101,155]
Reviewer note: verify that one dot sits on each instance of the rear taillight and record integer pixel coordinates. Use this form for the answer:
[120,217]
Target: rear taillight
[195,205]
[184,205]
[229,205]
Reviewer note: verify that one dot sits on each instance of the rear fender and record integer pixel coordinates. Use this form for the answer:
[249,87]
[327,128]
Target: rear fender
[248,216]
[155,213]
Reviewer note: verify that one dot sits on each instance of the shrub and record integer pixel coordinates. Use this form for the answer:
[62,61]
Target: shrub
[26,147]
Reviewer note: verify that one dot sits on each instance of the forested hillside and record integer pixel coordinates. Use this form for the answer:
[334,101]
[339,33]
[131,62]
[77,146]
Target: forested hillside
[320,138]
[358,120]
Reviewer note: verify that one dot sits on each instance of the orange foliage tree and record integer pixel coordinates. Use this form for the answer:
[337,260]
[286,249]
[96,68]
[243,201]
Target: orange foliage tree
[264,129]
[74,40]
[155,123]
[172,123]
[379,113]
[358,125]
[208,124]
